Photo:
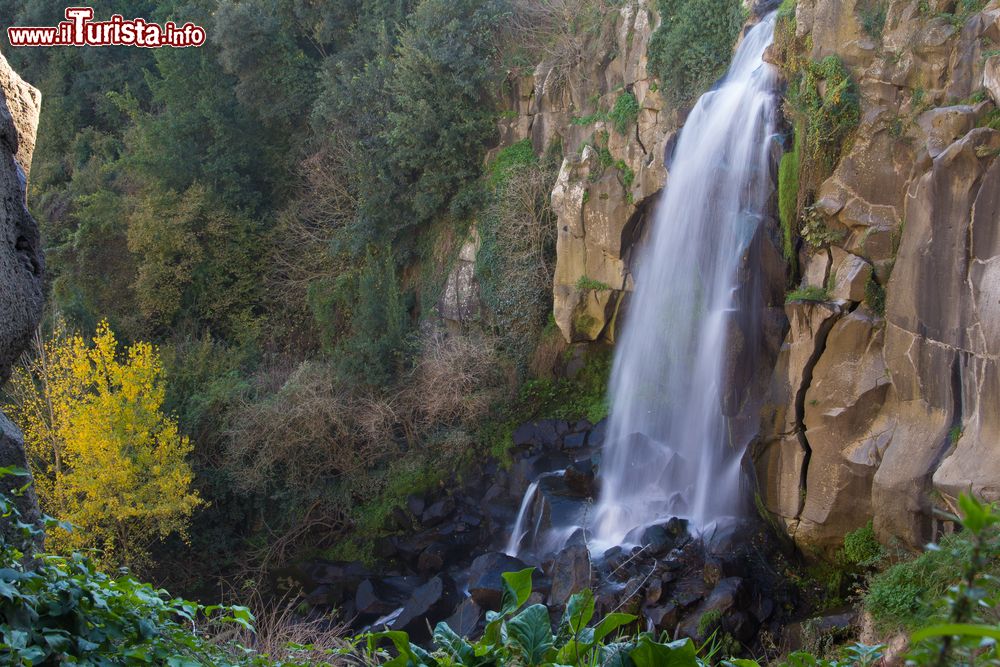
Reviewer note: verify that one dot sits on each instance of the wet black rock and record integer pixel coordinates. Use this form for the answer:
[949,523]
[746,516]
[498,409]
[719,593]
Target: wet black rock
[570,574]
[486,585]
[466,618]
[430,603]
[378,597]
[662,617]
[580,478]
[438,511]
[415,504]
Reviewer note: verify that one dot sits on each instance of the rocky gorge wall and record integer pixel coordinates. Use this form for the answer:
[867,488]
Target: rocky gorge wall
[883,401]
[885,413]
[21,263]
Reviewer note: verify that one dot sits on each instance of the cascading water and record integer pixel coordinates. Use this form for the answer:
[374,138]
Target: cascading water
[670,449]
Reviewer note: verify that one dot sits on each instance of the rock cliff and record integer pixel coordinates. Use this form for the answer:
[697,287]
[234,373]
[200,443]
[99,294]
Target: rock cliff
[21,263]
[884,399]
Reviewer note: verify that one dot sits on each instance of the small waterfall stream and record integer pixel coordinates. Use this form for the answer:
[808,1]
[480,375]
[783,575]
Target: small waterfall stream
[669,449]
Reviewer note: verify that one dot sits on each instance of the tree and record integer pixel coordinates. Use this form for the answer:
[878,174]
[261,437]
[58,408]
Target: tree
[104,455]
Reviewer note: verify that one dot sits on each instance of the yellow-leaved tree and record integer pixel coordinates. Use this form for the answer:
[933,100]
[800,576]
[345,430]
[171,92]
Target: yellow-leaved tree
[104,455]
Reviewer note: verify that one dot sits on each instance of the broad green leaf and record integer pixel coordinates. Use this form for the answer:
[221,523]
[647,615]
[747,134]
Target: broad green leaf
[961,629]
[610,623]
[740,662]
[648,653]
[579,611]
[455,646]
[616,654]
[532,632]
[516,590]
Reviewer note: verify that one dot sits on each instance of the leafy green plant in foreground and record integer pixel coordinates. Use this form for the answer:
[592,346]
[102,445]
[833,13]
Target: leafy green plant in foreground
[56,610]
[516,636]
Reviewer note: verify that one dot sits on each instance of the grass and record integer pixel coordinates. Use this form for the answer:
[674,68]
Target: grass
[808,293]
[909,594]
[588,283]
[788,197]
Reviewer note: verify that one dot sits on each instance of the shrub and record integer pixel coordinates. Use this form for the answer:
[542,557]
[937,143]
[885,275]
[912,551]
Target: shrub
[788,197]
[693,45]
[873,18]
[875,296]
[808,293]
[588,283]
[516,259]
[908,594]
[829,117]
[561,33]
[509,160]
[624,113]
[862,548]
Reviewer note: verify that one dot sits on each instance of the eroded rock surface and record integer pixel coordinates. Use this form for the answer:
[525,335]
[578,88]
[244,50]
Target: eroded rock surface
[882,407]
[21,264]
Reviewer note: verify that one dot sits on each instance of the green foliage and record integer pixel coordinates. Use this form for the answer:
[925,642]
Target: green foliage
[862,548]
[442,117]
[816,232]
[516,256]
[588,283]
[709,622]
[873,18]
[371,353]
[787,9]
[509,160]
[524,636]
[808,293]
[909,594]
[693,45]
[829,117]
[584,396]
[624,113]
[62,610]
[788,196]
[875,296]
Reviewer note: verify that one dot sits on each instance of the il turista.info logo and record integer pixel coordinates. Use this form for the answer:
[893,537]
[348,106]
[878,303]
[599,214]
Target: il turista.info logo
[79,29]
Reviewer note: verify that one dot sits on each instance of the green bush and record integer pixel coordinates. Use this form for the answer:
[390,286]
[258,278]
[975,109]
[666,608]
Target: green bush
[63,611]
[808,293]
[873,19]
[788,196]
[862,548]
[875,296]
[588,283]
[624,113]
[831,116]
[509,159]
[909,594]
[693,45]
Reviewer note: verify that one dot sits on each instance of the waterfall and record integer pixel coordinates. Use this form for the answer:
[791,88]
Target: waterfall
[669,450]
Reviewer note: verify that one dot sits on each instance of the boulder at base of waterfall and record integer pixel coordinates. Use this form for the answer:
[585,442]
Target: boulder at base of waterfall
[662,618]
[570,574]
[428,605]
[466,618]
[378,597]
[724,598]
[486,584]
[580,477]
